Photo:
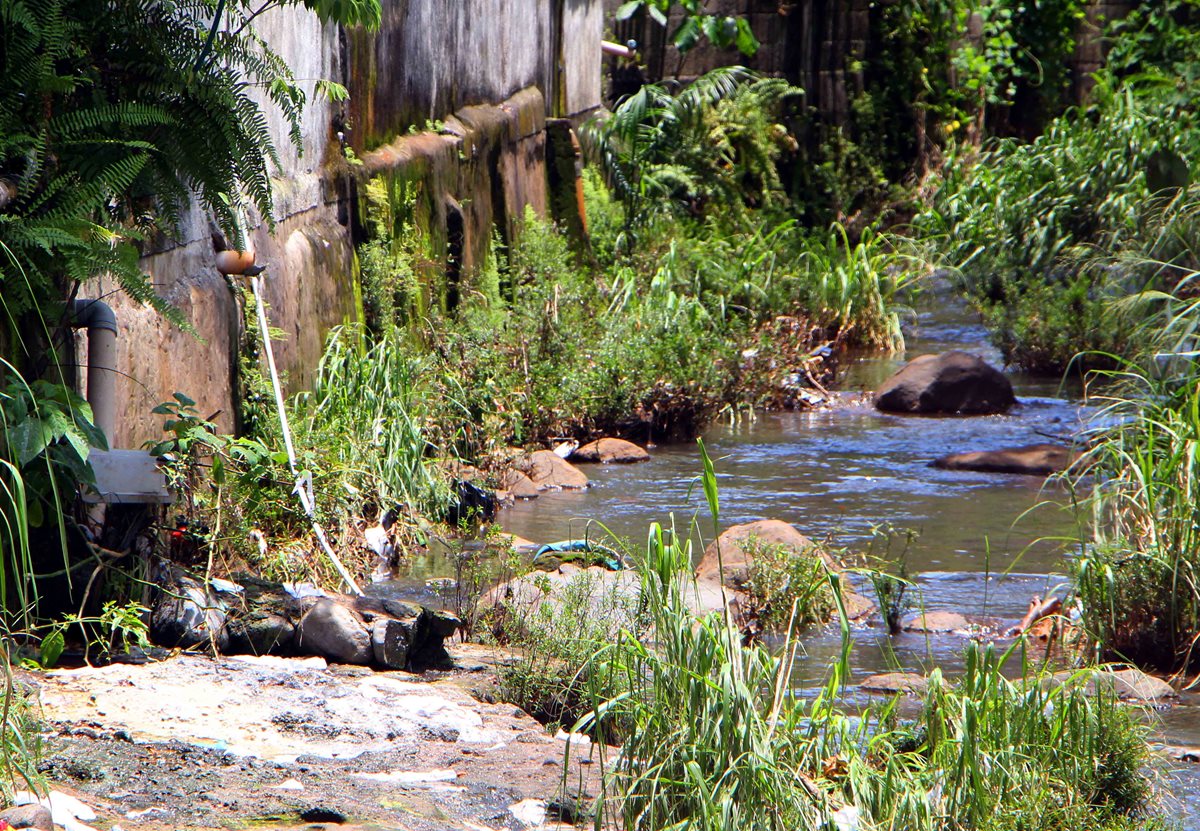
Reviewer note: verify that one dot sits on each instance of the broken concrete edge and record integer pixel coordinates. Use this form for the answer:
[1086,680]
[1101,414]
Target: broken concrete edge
[521,116]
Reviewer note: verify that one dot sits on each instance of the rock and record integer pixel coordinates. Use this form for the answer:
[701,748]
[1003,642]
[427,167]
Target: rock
[1135,685]
[1031,459]
[857,606]
[1183,754]
[518,485]
[321,813]
[1128,684]
[389,642]
[531,813]
[426,628]
[935,623]
[472,504]
[264,622]
[732,545]
[331,630]
[64,809]
[611,596]
[186,615]
[952,382]
[28,816]
[548,472]
[610,451]
[261,633]
[896,682]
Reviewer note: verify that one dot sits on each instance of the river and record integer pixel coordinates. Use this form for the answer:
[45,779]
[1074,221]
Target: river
[984,544]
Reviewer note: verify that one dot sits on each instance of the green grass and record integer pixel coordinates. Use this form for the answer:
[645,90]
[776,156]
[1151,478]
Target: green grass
[1140,581]
[715,738]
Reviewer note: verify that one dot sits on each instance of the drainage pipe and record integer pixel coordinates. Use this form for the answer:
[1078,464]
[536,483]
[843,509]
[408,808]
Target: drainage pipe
[101,325]
[621,50]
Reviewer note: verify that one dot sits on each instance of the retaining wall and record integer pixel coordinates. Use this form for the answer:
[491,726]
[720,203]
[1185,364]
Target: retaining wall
[491,70]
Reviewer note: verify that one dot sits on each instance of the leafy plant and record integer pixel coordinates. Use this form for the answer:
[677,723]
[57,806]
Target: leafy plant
[722,31]
[787,590]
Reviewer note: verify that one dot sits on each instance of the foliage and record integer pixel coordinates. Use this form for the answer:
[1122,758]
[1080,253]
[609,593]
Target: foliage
[362,418]
[1139,583]
[787,590]
[1024,221]
[111,118]
[555,639]
[395,258]
[20,736]
[46,436]
[716,739]
[696,24]
[713,144]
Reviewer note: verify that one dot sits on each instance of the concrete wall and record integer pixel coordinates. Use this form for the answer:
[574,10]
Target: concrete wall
[433,57]
[491,69]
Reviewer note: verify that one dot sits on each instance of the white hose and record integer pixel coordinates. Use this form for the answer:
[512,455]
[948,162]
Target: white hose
[304,488]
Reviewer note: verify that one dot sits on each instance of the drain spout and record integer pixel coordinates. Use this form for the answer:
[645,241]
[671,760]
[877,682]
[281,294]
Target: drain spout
[97,317]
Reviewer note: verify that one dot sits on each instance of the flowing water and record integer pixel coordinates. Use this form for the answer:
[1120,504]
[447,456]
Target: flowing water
[984,544]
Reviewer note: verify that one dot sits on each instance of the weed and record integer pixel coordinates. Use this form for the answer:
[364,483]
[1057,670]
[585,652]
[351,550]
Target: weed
[787,589]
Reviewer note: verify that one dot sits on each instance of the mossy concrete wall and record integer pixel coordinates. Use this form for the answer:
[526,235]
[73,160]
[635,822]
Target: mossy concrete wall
[478,65]
[488,164]
[433,57]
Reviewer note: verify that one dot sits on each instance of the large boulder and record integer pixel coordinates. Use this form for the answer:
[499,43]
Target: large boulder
[729,558]
[332,631]
[952,382]
[548,471]
[909,683]
[1031,459]
[1127,684]
[610,451]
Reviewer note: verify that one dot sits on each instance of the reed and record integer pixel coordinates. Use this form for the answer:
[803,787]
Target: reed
[716,738]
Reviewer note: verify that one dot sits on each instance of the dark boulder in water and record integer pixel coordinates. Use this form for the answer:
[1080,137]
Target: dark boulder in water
[952,383]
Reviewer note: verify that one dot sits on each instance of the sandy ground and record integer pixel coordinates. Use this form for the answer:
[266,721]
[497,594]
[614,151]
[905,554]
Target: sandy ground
[196,742]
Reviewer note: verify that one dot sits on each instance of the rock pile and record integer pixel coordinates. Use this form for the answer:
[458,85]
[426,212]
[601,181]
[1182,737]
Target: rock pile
[258,617]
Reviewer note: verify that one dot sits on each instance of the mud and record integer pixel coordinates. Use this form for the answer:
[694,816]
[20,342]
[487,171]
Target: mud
[195,742]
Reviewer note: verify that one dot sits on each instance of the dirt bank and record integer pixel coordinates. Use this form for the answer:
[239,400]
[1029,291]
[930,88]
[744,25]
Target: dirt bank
[194,742]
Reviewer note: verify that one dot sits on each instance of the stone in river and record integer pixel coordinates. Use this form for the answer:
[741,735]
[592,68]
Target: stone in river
[549,472]
[950,383]
[610,451]
[1031,459]
[896,682]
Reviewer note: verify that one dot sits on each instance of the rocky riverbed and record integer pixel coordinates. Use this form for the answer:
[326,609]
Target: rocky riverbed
[199,742]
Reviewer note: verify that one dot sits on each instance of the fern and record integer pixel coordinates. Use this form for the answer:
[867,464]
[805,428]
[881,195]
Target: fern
[114,114]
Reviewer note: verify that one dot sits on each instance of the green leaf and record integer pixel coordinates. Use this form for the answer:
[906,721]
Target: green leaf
[332,91]
[687,35]
[747,43]
[659,16]
[709,481]
[28,439]
[627,10]
[51,648]
[184,400]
